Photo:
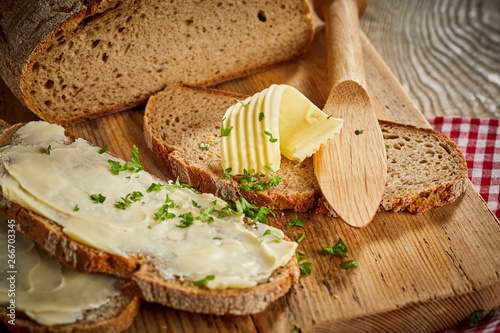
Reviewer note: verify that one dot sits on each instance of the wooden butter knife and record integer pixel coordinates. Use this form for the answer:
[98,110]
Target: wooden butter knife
[352,168]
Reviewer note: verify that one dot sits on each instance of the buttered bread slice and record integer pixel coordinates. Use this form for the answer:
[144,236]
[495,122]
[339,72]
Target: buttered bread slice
[184,249]
[182,126]
[40,294]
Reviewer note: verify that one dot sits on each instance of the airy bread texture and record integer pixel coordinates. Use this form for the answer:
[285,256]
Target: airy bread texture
[140,268]
[425,168]
[74,60]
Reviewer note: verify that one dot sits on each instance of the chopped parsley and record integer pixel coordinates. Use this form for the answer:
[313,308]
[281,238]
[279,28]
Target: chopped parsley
[103,150]
[305,267]
[269,168]
[339,249]
[349,264]
[297,221]
[205,280]
[154,187]
[197,205]
[133,165]
[186,221]
[76,208]
[359,131]
[228,173]
[301,238]
[476,317]
[163,212]
[224,131]
[48,150]
[273,181]
[128,200]
[214,143]
[329,116]
[243,207]
[177,184]
[296,328]
[241,102]
[149,227]
[217,238]
[210,209]
[204,145]
[98,198]
[210,165]
[271,139]
[387,146]
[228,194]
[251,184]
[261,116]
[272,233]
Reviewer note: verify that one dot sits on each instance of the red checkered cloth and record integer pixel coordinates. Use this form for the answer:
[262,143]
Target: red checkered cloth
[479,140]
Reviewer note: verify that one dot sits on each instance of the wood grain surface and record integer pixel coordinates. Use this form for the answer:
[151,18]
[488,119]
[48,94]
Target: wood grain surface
[446,53]
[417,273]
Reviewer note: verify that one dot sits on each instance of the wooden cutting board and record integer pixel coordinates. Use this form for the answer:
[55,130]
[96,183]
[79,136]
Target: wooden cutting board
[416,273]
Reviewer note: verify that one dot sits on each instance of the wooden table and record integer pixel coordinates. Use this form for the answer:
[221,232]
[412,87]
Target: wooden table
[417,273]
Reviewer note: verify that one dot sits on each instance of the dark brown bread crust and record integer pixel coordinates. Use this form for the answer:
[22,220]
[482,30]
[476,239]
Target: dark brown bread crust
[209,181]
[146,284]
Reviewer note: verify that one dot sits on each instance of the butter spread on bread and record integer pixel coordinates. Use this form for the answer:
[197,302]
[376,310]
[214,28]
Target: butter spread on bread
[46,291]
[279,120]
[197,240]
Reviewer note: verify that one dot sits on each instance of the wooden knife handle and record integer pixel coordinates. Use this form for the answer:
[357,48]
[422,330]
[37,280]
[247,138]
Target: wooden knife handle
[345,56]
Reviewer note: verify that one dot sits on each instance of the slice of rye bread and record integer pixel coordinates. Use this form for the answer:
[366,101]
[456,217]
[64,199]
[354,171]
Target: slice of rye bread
[147,283]
[71,60]
[425,168]
[114,316]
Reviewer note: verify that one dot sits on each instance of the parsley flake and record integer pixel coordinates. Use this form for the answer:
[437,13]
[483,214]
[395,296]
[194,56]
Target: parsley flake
[228,173]
[228,194]
[98,198]
[48,150]
[296,221]
[261,116]
[272,233]
[359,131]
[269,168]
[128,200]
[301,238]
[296,328]
[154,187]
[204,145]
[387,146]
[133,165]
[224,131]
[241,102]
[271,139]
[349,264]
[186,221]
[305,267]
[197,205]
[329,116]
[76,208]
[205,280]
[339,249]
[103,150]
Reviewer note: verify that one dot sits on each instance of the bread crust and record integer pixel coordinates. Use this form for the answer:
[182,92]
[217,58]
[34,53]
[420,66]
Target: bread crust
[43,21]
[174,293]
[118,320]
[436,195]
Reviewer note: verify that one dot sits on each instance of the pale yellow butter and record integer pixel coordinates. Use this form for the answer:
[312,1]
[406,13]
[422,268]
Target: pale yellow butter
[277,121]
[48,292]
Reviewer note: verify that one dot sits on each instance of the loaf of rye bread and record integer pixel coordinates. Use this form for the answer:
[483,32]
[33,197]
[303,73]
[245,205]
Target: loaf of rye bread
[71,60]
[140,268]
[425,168]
